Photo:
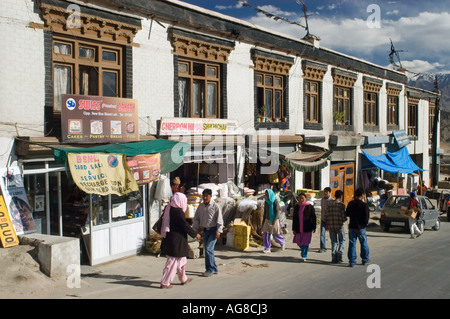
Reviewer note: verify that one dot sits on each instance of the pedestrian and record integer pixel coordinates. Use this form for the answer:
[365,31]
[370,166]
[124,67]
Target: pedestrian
[324,202]
[414,230]
[358,211]
[334,221]
[174,245]
[303,224]
[271,221]
[208,219]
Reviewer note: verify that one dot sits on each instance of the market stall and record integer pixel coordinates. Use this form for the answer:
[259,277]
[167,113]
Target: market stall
[114,179]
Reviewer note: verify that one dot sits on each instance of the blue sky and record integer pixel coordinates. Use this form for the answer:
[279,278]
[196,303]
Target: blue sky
[360,28]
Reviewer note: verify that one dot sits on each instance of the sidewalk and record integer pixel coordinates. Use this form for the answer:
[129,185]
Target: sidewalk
[133,276]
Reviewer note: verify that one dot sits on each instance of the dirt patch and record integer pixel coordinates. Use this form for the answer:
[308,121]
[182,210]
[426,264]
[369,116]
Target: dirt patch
[20,275]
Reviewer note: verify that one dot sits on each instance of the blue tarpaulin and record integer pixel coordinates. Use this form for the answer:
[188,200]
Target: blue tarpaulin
[397,162]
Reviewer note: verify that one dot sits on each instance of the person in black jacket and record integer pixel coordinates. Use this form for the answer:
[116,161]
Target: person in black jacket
[174,244]
[359,214]
[303,224]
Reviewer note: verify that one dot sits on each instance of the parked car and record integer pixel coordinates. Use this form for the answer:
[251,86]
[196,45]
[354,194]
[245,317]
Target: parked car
[443,198]
[390,213]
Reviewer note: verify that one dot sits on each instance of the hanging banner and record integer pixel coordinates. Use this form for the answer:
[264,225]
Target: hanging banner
[16,200]
[102,174]
[8,236]
[145,168]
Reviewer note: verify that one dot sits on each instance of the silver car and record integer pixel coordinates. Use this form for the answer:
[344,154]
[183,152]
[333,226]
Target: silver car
[391,217]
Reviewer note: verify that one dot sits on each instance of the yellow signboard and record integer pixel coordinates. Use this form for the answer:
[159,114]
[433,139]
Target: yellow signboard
[7,233]
[102,174]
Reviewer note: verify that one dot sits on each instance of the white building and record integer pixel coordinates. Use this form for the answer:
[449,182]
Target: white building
[181,61]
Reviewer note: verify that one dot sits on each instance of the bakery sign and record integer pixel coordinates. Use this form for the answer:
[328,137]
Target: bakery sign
[98,119]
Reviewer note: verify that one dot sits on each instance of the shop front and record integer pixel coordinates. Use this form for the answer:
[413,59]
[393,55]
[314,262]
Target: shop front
[114,208]
[215,150]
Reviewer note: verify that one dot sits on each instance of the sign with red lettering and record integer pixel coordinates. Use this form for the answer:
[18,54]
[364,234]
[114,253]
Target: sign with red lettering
[145,168]
[98,119]
[8,236]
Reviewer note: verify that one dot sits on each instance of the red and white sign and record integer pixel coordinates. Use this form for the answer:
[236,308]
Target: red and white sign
[198,126]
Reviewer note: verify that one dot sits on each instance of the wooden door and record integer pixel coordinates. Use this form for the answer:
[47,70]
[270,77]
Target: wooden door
[342,177]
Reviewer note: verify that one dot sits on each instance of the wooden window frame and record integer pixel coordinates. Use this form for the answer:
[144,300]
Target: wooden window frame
[370,108]
[392,110]
[276,88]
[312,114]
[206,79]
[431,115]
[341,97]
[412,119]
[75,61]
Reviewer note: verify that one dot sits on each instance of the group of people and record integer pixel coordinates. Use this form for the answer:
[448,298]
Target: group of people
[208,224]
[334,214]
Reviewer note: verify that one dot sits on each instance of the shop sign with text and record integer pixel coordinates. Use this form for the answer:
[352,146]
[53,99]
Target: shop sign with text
[102,174]
[145,168]
[8,236]
[98,119]
[194,126]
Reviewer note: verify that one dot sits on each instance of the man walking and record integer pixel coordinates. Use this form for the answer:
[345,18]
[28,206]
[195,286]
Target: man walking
[208,218]
[358,211]
[334,223]
[324,202]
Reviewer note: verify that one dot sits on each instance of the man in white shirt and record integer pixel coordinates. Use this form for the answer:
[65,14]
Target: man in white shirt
[208,218]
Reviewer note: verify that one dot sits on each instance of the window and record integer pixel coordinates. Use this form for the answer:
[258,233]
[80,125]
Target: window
[342,104]
[85,67]
[431,115]
[269,96]
[412,119]
[198,89]
[370,108]
[312,101]
[392,110]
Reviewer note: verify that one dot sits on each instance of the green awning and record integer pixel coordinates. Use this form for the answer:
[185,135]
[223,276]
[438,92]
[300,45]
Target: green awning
[169,161]
[311,158]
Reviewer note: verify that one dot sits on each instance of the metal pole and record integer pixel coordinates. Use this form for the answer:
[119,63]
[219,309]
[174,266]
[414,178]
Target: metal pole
[435,168]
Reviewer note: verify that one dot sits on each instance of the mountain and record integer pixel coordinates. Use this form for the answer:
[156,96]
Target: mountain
[426,82]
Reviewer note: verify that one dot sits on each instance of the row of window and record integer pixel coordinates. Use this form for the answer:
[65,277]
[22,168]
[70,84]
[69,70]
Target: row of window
[91,68]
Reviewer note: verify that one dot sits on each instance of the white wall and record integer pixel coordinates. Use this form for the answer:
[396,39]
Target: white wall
[153,76]
[22,70]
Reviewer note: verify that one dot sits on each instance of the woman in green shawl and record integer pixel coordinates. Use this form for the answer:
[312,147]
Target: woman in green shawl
[271,221]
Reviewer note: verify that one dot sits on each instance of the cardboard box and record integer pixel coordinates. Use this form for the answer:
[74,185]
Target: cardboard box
[412,213]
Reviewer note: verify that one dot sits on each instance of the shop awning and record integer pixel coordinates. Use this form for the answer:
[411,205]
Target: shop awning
[397,162]
[165,147]
[310,158]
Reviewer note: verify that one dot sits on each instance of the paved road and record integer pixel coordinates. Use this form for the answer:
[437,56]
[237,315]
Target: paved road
[404,268]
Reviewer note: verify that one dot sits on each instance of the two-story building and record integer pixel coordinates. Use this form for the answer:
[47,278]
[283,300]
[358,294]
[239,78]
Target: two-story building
[244,97]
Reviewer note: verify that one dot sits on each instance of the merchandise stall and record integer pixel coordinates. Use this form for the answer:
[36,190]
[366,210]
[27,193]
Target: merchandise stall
[117,223]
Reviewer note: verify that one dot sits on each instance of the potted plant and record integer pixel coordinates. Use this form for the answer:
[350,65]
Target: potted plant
[339,117]
[261,113]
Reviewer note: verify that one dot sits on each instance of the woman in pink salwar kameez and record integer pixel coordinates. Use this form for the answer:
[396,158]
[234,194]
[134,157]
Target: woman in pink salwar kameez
[303,224]
[174,245]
